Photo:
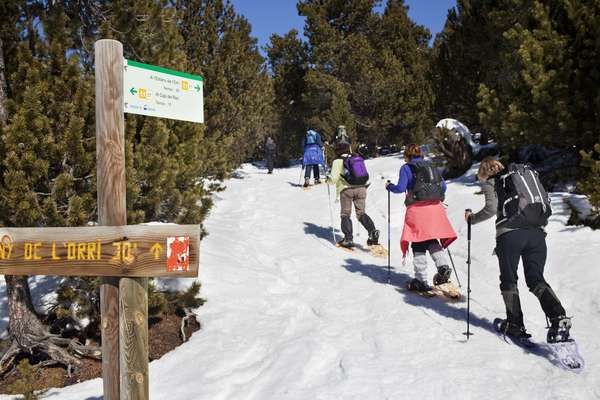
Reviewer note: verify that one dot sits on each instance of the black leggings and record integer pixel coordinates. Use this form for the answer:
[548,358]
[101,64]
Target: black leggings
[530,246]
[314,168]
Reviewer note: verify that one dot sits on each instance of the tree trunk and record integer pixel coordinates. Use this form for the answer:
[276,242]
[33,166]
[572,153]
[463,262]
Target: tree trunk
[3,88]
[24,325]
[27,332]
[456,151]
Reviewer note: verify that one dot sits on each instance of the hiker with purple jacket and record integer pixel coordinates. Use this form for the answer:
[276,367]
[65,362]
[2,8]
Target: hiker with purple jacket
[350,177]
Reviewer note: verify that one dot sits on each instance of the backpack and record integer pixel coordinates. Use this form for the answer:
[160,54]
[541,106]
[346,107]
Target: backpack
[428,182]
[522,200]
[311,138]
[355,170]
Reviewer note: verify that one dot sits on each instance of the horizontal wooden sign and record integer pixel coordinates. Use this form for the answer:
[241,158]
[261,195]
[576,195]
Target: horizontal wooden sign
[130,250]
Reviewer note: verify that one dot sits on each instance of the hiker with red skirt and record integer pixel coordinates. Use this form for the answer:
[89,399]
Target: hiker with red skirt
[426,225]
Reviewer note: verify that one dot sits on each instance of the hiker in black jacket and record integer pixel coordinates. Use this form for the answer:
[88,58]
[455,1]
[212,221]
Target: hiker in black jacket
[513,243]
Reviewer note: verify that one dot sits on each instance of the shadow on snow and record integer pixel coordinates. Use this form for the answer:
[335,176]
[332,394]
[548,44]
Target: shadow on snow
[321,232]
[379,274]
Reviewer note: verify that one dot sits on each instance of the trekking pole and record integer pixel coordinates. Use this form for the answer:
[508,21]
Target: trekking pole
[330,213]
[468,333]
[389,233]
[300,178]
[453,267]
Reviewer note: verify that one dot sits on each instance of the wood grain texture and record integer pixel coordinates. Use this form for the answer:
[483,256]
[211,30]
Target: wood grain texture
[130,250]
[133,342]
[112,211]
[109,311]
[110,134]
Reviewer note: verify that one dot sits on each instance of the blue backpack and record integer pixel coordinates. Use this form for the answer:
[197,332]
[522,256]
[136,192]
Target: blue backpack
[311,138]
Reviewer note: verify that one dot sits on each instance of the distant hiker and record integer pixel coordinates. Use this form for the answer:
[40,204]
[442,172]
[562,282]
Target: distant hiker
[350,177]
[270,154]
[426,226]
[520,235]
[341,136]
[313,156]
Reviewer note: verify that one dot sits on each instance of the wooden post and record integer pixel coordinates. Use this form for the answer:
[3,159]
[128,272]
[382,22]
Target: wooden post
[110,164]
[133,338]
[126,370]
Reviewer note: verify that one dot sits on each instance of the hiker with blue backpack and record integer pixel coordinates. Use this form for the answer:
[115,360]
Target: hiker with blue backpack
[312,148]
[350,177]
[426,226]
[517,198]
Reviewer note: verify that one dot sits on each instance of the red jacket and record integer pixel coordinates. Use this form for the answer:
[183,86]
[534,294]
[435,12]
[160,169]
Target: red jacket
[424,221]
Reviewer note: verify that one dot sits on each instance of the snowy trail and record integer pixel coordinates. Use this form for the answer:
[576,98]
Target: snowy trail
[289,316]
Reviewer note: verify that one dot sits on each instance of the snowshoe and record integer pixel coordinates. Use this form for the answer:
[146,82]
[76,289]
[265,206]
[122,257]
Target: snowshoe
[345,243]
[516,333]
[559,329]
[379,251]
[443,275]
[448,290]
[418,286]
[568,355]
[421,288]
[373,238]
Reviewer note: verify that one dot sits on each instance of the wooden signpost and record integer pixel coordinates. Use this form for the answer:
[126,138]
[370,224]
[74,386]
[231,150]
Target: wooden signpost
[125,256]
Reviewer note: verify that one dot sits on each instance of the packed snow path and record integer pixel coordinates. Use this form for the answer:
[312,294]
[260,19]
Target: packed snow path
[289,316]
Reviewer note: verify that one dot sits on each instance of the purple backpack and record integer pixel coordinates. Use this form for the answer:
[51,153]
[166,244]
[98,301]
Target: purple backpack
[355,170]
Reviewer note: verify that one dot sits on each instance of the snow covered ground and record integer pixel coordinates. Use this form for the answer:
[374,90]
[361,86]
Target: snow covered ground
[291,317]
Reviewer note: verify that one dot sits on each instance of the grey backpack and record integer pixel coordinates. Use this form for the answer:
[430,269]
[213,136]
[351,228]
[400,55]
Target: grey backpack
[522,200]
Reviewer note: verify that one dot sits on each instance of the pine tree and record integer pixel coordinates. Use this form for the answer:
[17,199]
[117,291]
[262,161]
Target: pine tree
[326,103]
[376,63]
[549,97]
[47,157]
[469,53]
[405,67]
[238,91]
[288,61]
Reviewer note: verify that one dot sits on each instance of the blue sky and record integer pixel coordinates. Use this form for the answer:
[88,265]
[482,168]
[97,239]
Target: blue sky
[279,16]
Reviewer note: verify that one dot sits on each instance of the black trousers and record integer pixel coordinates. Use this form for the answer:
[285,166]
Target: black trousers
[270,161]
[528,245]
[314,168]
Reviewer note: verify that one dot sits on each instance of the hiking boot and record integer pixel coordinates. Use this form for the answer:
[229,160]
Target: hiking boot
[317,181]
[418,286]
[514,330]
[373,238]
[306,183]
[559,329]
[347,243]
[443,275]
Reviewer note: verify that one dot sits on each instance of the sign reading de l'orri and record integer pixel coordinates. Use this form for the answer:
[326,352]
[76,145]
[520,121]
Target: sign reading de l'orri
[129,250]
[161,92]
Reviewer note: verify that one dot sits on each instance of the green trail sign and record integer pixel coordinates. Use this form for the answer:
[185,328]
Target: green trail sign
[161,92]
